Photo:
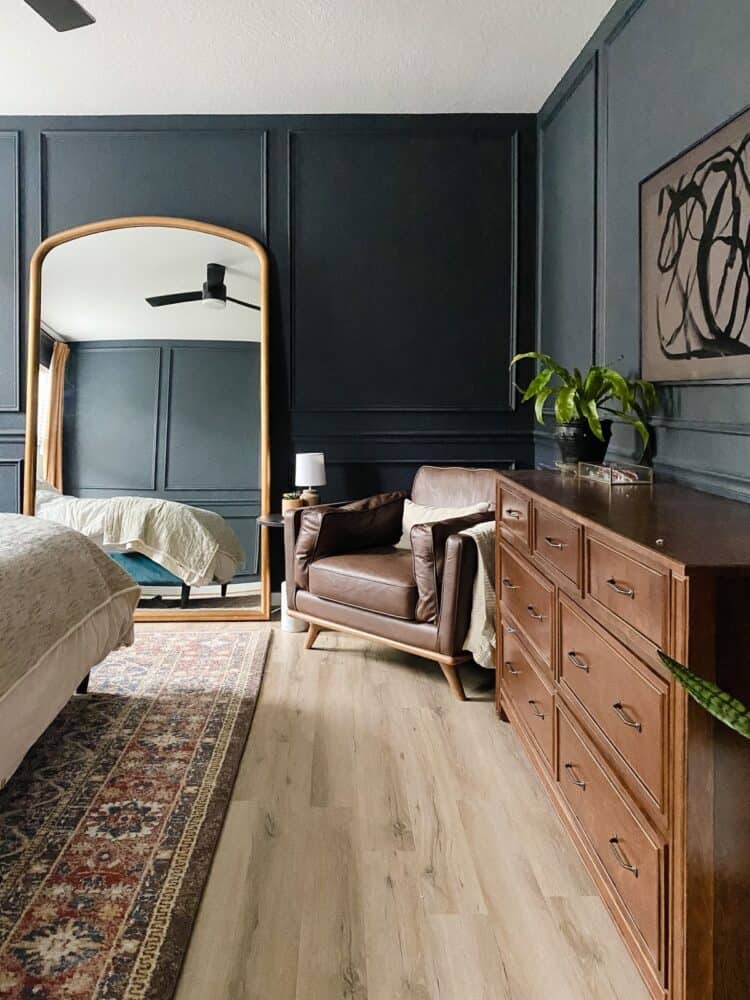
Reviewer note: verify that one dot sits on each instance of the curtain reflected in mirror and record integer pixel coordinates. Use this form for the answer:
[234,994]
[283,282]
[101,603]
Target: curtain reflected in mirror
[149,416]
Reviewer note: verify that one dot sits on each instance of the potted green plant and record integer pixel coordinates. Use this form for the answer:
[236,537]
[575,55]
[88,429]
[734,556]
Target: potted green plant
[579,400]
[291,501]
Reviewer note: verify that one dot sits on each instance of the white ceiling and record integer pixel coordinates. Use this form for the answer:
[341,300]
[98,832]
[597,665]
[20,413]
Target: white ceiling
[293,56]
[95,288]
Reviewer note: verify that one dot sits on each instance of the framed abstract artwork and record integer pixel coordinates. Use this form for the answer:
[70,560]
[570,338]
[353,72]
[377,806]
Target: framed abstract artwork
[695,261]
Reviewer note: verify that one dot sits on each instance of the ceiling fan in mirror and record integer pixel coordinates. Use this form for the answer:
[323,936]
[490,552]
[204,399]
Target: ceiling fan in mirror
[213,293]
[63,15]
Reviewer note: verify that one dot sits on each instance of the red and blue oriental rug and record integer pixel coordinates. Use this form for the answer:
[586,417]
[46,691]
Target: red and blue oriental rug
[108,828]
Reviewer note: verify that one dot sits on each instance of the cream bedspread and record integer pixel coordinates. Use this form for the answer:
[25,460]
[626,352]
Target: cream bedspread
[51,581]
[196,545]
[480,638]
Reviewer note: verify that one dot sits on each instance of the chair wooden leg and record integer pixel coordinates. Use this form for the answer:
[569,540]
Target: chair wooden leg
[312,634]
[453,678]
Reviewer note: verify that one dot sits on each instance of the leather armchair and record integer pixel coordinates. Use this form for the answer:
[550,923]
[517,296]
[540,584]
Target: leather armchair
[344,571]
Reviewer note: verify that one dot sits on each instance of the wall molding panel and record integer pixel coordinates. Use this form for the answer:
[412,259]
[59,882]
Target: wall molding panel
[220,158]
[10,250]
[11,469]
[562,310]
[464,140]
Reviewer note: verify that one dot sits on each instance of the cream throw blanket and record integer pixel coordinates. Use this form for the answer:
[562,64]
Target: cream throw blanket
[480,639]
[196,545]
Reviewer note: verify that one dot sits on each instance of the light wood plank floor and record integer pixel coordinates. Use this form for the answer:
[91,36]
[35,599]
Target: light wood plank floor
[387,842]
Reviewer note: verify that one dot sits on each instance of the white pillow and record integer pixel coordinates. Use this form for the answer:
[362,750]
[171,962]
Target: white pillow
[416,513]
[45,493]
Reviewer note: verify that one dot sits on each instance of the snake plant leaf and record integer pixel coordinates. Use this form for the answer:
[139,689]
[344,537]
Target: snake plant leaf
[721,705]
[538,383]
[565,407]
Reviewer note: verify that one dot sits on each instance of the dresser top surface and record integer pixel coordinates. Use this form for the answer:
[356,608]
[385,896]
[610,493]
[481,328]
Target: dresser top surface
[694,529]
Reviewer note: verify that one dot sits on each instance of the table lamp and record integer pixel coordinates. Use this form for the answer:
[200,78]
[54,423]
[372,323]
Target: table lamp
[310,471]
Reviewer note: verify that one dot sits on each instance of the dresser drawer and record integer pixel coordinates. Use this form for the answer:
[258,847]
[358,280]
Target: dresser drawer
[631,590]
[632,856]
[623,696]
[514,513]
[530,694]
[528,596]
[558,542]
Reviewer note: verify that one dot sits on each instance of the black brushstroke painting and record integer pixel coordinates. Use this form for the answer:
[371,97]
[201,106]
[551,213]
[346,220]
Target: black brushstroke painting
[695,261]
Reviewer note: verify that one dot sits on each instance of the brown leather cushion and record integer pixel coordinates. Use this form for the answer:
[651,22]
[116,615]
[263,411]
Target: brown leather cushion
[379,580]
[326,531]
[428,552]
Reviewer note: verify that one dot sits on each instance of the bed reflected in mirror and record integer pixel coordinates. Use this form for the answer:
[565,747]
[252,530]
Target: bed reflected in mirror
[150,429]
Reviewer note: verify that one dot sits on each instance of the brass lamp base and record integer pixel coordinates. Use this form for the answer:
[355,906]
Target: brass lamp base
[310,498]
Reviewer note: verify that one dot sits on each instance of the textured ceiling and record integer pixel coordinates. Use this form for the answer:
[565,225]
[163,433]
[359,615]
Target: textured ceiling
[293,56]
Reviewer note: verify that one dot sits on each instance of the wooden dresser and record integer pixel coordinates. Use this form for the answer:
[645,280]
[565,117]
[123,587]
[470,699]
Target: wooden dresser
[591,581]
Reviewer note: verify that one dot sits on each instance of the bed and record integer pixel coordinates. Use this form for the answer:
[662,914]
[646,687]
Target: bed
[64,606]
[196,546]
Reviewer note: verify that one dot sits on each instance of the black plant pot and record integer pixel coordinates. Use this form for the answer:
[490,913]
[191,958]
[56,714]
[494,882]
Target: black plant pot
[577,443]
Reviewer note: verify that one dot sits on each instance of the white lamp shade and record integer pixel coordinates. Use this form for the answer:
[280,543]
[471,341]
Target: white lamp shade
[310,469]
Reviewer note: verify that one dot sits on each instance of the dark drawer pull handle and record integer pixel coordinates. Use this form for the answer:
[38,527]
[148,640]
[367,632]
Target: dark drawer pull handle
[618,588]
[508,584]
[554,543]
[534,613]
[624,717]
[577,661]
[516,515]
[537,713]
[511,669]
[614,843]
[576,781]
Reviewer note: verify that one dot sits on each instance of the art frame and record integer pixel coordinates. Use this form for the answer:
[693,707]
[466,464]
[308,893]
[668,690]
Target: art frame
[694,256]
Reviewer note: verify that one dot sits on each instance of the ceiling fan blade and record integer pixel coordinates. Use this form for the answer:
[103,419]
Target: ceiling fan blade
[63,15]
[171,300]
[240,303]
[215,274]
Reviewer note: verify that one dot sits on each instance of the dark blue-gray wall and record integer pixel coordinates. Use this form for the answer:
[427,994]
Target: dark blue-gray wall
[402,254]
[173,419]
[655,78]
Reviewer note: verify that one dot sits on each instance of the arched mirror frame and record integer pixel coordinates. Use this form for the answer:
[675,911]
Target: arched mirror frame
[32,392]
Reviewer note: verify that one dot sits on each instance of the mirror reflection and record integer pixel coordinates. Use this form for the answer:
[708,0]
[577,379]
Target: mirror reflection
[149,428]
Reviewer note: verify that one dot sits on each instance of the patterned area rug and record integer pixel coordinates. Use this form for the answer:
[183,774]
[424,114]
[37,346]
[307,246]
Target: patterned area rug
[108,828]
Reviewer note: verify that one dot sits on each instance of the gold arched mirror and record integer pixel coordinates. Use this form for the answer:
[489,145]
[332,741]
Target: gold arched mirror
[147,407]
